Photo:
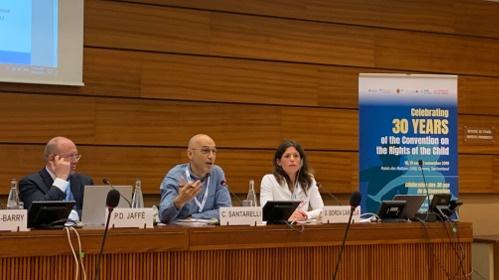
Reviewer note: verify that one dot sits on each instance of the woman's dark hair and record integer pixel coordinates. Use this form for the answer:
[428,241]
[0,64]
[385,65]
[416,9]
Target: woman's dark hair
[304,174]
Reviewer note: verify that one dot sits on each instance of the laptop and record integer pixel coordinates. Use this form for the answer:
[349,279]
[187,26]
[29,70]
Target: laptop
[278,212]
[49,214]
[391,210]
[94,203]
[413,203]
[440,200]
[440,205]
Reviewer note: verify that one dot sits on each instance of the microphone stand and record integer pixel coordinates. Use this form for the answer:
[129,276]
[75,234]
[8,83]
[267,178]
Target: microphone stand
[112,200]
[420,163]
[235,196]
[97,271]
[343,243]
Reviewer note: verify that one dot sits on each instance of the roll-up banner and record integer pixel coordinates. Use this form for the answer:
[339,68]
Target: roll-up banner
[407,129]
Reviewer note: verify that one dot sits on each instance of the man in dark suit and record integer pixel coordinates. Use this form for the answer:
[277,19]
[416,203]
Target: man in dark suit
[58,180]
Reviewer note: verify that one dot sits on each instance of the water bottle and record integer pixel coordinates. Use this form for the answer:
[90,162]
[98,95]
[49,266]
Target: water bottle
[251,197]
[137,198]
[13,200]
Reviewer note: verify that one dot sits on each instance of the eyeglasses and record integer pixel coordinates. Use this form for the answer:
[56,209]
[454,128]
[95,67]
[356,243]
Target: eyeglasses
[73,157]
[206,150]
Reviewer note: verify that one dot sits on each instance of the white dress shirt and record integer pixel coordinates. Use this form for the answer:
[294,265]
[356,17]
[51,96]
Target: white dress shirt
[63,185]
[312,203]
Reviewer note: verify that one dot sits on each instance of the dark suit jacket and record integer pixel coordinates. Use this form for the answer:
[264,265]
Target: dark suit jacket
[38,186]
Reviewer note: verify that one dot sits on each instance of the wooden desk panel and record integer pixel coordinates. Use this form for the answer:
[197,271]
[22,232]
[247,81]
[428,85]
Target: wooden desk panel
[376,251]
[54,242]
[320,235]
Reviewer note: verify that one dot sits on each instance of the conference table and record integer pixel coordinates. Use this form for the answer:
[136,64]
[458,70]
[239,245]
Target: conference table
[197,251]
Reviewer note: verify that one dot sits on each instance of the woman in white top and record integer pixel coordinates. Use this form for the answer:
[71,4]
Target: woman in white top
[292,180]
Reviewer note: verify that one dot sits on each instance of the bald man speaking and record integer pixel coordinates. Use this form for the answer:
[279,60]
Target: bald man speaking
[196,189]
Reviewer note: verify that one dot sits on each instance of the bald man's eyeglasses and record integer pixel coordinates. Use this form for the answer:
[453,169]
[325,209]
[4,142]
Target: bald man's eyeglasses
[206,151]
[72,157]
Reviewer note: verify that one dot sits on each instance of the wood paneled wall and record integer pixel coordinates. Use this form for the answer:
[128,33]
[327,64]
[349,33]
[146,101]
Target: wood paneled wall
[250,74]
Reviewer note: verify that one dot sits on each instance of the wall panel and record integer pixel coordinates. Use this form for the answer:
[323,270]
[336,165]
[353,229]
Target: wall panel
[186,77]
[122,25]
[337,172]
[436,53]
[465,17]
[168,123]
[196,32]
[141,122]
[33,118]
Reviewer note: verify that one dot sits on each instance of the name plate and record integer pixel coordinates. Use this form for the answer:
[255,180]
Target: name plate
[240,216]
[338,214]
[14,220]
[131,218]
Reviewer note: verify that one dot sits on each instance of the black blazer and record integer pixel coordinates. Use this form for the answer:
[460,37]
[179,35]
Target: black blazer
[38,186]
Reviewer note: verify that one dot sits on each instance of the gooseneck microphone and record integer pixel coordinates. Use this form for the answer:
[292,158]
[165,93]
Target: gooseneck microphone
[106,181]
[112,200]
[354,202]
[322,190]
[223,183]
[420,162]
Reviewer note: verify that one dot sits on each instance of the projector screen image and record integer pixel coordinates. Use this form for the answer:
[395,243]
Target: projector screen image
[41,41]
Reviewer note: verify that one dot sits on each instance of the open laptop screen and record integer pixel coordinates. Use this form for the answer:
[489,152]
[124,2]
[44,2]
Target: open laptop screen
[413,203]
[391,210]
[49,214]
[278,212]
[440,199]
[94,203]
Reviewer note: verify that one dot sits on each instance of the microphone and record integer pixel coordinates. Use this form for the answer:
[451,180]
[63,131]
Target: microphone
[107,182]
[322,190]
[223,183]
[420,162]
[354,202]
[112,200]
[454,204]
